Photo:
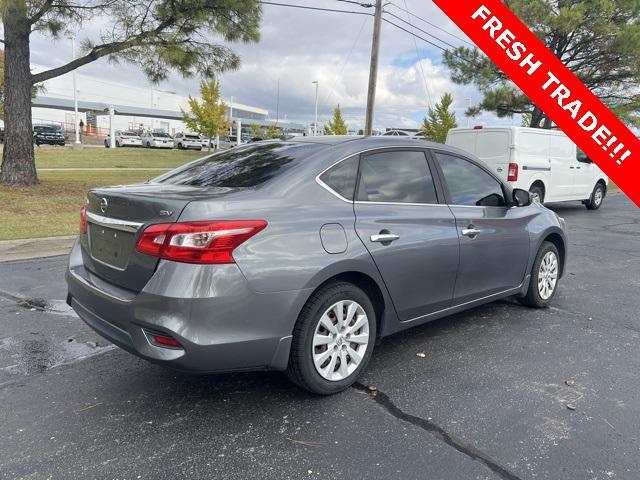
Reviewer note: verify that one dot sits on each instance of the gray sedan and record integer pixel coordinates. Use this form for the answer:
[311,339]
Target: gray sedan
[298,255]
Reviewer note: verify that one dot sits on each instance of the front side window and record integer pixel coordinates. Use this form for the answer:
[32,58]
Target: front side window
[401,176]
[341,178]
[468,184]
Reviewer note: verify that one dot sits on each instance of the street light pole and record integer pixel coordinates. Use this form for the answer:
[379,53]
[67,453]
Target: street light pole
[373,69]
[75,93]
[231,117]
[315,121]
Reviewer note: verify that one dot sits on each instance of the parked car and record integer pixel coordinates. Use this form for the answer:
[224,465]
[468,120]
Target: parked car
[157,140]
[185,141]
[545,162]
[299,255]
[48,135]
[228,142]
[127,138]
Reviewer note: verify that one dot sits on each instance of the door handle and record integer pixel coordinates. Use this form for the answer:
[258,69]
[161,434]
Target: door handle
[384,237]
[470,232]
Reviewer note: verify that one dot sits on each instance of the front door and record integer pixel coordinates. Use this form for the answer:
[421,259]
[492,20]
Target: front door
[494,241]
[412,238]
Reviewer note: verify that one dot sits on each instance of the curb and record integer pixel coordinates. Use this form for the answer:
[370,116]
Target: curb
[29,248]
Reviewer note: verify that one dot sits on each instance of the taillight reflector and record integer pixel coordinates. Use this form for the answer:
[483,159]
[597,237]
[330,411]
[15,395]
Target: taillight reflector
[166,341]
[512,176]
[83,220]
[198,242]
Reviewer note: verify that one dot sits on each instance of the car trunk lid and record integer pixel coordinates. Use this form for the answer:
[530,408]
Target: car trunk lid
[115,218]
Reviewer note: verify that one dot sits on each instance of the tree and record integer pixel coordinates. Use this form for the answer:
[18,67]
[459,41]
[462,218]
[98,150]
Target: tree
[598,40]
[158,35]
[439,120]
[208,118]
[272,132]
[256,131]
[337,126]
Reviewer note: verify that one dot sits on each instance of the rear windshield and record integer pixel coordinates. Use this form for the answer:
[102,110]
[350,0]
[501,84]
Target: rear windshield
[246,166]
[160,134]
[192,137]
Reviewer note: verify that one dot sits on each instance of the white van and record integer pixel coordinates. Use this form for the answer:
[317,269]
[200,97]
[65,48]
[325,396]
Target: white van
[545,162]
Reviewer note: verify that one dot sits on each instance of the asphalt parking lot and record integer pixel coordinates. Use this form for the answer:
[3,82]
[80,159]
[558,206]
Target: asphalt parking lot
[502,391]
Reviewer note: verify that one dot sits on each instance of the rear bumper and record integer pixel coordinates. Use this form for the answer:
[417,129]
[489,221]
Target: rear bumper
[221,323]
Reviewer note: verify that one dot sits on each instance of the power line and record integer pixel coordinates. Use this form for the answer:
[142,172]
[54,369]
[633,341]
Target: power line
[361,4]
[430,23]
[424,77]
[420,29]
[305,7]
[332,92]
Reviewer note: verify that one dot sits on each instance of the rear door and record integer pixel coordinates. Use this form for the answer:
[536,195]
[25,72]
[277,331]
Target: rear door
[494,240]
[409,233]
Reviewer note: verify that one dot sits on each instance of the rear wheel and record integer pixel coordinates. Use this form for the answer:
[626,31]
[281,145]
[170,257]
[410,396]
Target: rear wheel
[538,191]
[597,197]
[333,339]
[544,277]
[118,144]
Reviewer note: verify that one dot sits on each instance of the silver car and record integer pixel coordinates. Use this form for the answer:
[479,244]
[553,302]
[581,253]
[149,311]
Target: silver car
[297,256]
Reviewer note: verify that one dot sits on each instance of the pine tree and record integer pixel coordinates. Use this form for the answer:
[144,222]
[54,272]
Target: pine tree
[209,117]
[439,120]
[337,126]
[598,40]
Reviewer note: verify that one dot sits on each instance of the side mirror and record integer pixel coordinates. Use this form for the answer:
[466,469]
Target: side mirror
[521,198]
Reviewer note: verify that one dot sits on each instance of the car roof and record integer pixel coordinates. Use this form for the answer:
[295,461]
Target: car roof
[369,142]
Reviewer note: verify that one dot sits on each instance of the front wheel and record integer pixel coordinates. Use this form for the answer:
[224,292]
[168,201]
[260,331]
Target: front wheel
[333,339]
[544,277]
[597,197]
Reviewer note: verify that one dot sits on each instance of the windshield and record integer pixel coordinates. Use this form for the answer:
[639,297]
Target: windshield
[45,128]
[130,134]
[247,166]
[161,135]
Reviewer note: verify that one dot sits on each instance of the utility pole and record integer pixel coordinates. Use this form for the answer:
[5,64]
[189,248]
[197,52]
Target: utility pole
[373,69]
[75,95]
[315,122]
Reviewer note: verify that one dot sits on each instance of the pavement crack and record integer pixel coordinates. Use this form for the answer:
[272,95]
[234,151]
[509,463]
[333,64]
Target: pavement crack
[438,432]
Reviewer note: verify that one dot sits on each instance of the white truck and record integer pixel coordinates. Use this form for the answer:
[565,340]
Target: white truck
[545,162]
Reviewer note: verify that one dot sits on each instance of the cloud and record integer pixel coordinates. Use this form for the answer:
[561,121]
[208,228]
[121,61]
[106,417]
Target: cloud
[299,46]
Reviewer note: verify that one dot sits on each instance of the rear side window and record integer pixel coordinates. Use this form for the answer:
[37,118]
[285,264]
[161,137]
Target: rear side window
[342,177]
[468,184]
[398,177]
[247,166]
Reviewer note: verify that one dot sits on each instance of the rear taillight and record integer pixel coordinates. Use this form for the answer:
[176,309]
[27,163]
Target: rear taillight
[512,176]
[198,242]
[83,220]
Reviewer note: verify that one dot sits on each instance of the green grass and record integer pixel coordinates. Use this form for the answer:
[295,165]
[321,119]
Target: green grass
[52,207]
[113,157]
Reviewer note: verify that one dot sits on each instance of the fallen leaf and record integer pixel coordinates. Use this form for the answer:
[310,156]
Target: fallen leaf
[421,355]
[570,381]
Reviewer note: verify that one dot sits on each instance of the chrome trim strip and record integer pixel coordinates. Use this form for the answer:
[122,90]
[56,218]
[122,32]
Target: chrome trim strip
[365,202]
[116,224]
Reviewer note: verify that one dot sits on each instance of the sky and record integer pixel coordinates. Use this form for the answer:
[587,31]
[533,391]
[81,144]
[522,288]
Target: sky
[299,46]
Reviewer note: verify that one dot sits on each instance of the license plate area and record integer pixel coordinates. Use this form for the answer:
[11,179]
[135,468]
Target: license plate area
[110,246]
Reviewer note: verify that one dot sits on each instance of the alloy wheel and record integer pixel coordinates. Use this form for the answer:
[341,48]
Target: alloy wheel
[597,196]
[340,340]
[548,275]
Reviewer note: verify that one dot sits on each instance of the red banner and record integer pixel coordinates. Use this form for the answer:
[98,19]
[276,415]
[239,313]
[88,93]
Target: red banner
[552,87]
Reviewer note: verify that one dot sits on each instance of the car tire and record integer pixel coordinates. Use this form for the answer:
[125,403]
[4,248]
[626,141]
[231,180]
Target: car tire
[118,144]
[537,190]
[312,340]
[597,197]
[545,275]
[148,145]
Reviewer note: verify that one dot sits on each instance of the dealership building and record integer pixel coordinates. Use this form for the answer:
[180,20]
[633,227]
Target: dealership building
[102,103]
